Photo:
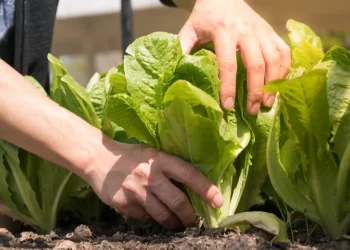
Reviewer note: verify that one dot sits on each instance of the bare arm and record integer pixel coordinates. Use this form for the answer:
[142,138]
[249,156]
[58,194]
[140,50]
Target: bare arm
[133,179]
[32,121]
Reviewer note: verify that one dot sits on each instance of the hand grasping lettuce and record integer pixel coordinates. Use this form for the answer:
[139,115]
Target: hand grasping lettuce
[70,138]
[170,101]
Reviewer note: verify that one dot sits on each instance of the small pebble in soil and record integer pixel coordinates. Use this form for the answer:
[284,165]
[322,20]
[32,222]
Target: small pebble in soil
[28,236]
[107,245]
[67,244]
[5,235]
[118,236]
[53,235]
[83,232]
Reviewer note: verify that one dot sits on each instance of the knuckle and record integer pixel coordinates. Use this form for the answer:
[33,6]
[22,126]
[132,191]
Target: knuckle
[156,184]
[284,70]
[257,65]
[178,202]
[255,94]
[242,28]
[273,59]
[190,173]
[150,152]
[129,185]
[120,204]
[163,217]
[142,171]
[285,49]
[159,155]
[146,150]
[223,24]
[229,62]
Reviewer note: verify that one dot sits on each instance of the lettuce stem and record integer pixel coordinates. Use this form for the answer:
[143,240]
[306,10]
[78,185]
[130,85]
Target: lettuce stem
[324,203]
[342,182]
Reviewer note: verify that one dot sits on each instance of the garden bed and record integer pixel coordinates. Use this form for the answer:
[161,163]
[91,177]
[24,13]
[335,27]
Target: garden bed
[116,233]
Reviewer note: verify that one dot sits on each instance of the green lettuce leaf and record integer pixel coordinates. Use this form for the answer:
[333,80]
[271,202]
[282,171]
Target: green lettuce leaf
[98,90]
[123,111]
[305,106]
[199,100]
[266,221]
[16,209]
[192,137]
[339,97]
[201,69]
[306,47]
[148,69]
[70,95]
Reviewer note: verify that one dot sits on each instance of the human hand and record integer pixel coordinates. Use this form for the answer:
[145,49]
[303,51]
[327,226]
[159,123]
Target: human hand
[232,25]
[135,181]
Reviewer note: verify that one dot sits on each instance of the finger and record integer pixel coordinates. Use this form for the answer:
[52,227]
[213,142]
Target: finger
[137,212]
[188,37]
[121,203]
[225,49]
[183,172]
[176,201]
[254,62]
[285,56]
[160,212]
[272,66]
[151,204]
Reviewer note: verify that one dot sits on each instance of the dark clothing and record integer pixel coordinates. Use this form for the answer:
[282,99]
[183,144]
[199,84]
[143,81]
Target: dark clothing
[26,30]
[168,2]
[7,32]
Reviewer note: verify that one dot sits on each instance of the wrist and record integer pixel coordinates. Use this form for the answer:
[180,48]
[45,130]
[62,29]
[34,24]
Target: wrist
[99,155]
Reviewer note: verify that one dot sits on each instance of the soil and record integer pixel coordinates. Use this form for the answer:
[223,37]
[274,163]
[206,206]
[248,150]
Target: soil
[118,234]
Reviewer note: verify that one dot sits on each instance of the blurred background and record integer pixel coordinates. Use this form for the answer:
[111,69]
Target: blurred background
[88,36]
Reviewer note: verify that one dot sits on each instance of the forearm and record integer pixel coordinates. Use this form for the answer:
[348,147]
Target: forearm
[34,122]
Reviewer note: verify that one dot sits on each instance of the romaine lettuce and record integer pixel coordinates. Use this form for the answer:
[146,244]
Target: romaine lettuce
[308,153]
[170,101]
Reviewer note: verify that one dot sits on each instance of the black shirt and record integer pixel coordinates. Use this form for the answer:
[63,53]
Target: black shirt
[26,38]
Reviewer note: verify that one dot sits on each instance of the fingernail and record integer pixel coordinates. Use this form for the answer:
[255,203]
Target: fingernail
[254,108]
[218,200]
[270,100]
[229,103]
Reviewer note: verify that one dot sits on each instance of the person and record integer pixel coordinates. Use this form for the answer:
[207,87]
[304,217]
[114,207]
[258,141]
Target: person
[133,179]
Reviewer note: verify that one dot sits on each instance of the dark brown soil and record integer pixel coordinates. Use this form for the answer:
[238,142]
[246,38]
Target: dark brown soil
[120,234]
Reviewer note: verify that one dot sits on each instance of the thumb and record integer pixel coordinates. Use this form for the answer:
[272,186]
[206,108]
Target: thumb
[188,37]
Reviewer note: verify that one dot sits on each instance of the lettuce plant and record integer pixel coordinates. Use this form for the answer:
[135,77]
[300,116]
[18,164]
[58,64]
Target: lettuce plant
[33,189]
[170,101]
[308,153]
